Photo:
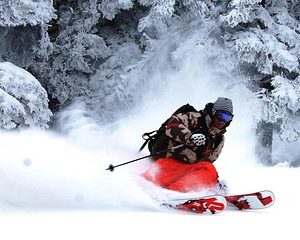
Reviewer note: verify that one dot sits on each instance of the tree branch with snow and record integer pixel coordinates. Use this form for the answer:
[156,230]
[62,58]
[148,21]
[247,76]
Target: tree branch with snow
[23,101]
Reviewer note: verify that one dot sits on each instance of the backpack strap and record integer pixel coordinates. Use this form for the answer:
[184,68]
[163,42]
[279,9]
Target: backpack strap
[147,137]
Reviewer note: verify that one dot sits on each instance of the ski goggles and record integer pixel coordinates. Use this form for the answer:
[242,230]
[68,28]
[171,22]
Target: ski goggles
[224,116]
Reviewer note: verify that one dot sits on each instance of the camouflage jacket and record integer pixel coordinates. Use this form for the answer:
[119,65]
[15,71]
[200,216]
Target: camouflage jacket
[178,130]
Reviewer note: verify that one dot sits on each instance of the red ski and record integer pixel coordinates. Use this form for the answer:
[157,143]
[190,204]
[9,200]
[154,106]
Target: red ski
[256,200]
[218,203]
[209,204]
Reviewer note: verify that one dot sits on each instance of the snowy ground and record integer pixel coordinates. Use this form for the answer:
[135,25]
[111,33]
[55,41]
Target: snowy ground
[136,217]
[138,224]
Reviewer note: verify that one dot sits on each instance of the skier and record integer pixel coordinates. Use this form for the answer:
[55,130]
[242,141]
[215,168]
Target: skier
[190,168]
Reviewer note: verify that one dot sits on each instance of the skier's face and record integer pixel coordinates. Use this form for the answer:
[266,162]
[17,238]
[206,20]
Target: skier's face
[216,124]
[220,119]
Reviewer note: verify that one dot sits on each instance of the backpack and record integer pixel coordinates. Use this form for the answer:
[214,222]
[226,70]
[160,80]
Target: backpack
[151,137]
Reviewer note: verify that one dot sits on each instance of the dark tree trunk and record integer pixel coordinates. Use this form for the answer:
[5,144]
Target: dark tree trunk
[264,134]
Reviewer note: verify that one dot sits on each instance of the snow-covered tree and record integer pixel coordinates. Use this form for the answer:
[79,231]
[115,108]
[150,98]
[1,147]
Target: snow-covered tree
[72,61]
[24,44]
[23,30]
[25,12]
[266,38]
[282,104]
[94,47]
[89,57]
[23,101]
[161,11]
[91,46]
[110,8]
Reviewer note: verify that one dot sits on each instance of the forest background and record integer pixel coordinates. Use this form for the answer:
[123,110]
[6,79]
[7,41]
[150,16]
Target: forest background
[104,55]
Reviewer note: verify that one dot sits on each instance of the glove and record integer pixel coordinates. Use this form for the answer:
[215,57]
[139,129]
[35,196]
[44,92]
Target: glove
[198,139]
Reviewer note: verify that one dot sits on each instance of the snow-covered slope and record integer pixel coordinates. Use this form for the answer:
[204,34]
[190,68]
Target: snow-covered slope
[65,193]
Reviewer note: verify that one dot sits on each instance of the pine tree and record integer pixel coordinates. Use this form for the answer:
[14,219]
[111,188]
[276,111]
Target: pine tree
[94,44]
[30,12]
[265,36]
[24,38]
[23,100]
[23,30]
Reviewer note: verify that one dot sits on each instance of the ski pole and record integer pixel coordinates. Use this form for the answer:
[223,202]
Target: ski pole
[112,167]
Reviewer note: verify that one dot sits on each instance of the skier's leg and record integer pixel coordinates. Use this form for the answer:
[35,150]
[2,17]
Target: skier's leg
[202,175]
[165,171]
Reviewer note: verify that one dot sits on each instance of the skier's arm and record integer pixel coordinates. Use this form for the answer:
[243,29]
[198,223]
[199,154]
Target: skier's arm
[177,128]
[217,151]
